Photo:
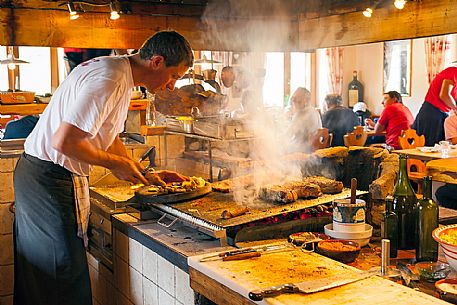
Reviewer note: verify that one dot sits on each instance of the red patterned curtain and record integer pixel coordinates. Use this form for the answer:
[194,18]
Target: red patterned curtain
[335,66]
[435,49]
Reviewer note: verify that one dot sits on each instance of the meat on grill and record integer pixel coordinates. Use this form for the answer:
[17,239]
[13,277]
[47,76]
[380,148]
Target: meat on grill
[289,192]
[228,185]
[328,186]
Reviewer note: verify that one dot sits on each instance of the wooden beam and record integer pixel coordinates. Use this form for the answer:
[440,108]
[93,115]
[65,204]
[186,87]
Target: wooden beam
[35,27]
[54,70]
[417,19]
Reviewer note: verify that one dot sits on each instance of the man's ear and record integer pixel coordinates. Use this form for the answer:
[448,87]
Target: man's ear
[156,61]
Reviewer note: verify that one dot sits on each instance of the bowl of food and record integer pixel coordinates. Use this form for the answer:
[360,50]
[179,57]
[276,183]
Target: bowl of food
[344,251]
[307,239]
[446,290]
[446,236]
[432,271]
[362,238]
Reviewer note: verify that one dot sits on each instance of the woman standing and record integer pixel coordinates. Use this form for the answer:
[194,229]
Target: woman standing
[440,100]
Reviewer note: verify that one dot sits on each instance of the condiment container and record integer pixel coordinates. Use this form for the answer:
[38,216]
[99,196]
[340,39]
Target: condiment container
[348,217]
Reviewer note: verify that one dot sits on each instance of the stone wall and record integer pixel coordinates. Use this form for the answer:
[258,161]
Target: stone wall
[7,166]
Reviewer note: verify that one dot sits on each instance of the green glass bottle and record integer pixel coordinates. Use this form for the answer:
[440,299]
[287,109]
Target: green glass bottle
[405,206]
[389,227]
[427,221]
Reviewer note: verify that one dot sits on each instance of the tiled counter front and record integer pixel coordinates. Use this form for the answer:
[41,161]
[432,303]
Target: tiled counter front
[7,165]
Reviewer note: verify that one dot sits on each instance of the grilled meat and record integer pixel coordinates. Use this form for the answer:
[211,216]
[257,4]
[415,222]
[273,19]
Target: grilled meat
[304,189]
[227,186]
[164,177]
[277,193]
[328,186]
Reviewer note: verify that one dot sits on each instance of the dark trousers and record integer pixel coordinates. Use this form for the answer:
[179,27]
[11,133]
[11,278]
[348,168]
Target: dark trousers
[447,196]
[430,123]
[50,260]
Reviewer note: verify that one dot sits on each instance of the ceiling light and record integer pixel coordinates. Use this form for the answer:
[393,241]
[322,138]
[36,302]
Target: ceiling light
[71,9]
[114,12]
[11,61]
[368,12]
[400,4]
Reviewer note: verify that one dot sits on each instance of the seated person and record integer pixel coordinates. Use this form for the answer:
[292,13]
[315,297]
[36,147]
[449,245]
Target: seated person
[447,194]
[362,112]
[20,129]
[395,118]
[339,120]
[305,120]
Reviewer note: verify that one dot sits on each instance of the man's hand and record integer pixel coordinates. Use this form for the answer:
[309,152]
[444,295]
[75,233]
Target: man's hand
[369,123]
[129,170]
[164,177]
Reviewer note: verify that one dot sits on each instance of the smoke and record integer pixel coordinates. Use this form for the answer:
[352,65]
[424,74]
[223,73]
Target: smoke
[237,25]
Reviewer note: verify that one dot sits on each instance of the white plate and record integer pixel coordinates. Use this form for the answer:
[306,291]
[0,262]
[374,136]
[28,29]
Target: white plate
[428,149]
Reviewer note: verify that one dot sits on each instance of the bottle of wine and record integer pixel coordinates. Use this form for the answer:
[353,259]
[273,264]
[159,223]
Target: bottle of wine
[389,227]
[405,206]
[427,221]
[355,90]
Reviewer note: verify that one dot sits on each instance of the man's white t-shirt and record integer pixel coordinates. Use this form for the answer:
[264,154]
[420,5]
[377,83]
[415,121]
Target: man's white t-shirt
[95,98]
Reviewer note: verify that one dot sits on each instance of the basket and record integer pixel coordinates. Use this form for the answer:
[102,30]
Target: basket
[21,97]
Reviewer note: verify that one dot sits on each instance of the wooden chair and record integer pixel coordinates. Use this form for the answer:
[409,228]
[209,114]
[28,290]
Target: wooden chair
[409,139]
[356,138]
[321,139]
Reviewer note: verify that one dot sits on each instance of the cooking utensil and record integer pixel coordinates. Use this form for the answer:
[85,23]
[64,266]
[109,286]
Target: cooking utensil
[353,190]
[306,286]
[244,253]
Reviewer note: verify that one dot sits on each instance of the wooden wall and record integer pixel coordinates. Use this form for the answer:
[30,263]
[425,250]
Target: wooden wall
[27,26]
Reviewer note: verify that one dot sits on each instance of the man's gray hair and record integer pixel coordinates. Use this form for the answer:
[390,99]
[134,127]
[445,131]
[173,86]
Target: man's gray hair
[334,99]
[174,48]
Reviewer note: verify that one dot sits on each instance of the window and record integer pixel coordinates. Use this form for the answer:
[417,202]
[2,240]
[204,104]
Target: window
[35,76]
[273,87]
[300,71]
[3,71]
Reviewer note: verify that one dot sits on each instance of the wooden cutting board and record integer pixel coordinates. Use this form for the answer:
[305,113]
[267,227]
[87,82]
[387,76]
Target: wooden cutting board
[219,279]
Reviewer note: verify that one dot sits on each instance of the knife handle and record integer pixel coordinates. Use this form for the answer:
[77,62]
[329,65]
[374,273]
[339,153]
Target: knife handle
[241,256]
[258,295]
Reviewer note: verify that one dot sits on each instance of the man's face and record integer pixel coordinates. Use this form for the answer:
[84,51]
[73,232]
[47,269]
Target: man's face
[163,77]
[387,100]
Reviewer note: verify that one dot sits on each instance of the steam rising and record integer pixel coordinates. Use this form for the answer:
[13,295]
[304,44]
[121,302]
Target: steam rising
[236,25]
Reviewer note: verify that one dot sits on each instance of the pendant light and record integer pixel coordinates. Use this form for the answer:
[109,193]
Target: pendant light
[12,61]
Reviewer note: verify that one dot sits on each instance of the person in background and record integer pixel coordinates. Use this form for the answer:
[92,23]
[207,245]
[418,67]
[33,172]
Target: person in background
[362,112]
[447,194]
[305,120]
[20,129]
[395,118]
[440,100]
[339,120]
[79,128]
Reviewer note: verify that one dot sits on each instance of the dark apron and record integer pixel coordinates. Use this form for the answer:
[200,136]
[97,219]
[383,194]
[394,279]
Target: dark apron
[430,123]
[50,266]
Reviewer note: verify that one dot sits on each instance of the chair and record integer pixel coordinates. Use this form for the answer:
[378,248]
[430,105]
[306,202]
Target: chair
[409,139]
[321,139]
[356,138]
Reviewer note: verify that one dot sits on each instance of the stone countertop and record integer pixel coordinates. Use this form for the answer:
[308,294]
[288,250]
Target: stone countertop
[174,244]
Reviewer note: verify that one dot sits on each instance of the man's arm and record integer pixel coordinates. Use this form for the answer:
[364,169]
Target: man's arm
[445,93]
[118,148]
[74,143]
[378,128]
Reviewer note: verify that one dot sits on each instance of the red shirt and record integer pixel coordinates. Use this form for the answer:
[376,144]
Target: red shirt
[395,118]
[433,93]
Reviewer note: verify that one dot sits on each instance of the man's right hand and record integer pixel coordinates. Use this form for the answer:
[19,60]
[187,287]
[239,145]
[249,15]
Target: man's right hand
[129,170]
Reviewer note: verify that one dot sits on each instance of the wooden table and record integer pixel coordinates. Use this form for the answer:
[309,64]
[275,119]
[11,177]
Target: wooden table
[230,282]
[371,133]
[443,170]
[414,153]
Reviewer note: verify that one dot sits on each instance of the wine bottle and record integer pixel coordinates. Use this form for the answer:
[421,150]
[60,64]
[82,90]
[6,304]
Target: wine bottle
[405,206]
[389,227]
[355,90]
[427,221]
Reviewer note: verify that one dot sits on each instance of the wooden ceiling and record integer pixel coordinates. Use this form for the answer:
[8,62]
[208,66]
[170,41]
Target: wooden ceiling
[224,24]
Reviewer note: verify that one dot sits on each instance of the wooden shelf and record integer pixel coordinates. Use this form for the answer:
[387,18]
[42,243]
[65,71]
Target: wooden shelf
[35,108]
[23,109]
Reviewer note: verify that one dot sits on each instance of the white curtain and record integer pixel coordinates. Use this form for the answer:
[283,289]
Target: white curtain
[335,67]
[435,50]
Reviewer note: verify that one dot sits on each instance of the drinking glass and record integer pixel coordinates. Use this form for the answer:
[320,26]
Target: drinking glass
[445,147]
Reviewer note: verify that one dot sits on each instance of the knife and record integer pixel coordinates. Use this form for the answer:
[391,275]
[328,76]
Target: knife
[306,286]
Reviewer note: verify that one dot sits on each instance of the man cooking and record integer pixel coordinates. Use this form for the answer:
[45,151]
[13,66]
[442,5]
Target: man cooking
[80,128]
